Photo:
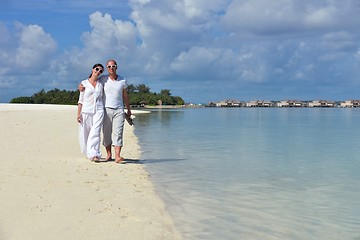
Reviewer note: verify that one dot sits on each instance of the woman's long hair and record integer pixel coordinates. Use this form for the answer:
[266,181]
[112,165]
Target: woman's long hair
[96,65]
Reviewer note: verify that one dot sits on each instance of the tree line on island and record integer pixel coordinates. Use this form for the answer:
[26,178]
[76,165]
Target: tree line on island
[139,95]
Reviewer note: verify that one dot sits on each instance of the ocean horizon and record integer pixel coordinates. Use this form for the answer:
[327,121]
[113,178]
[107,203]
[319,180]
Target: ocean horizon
[259,173]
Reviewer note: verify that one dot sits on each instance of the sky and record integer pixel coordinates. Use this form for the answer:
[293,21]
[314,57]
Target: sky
[201,50]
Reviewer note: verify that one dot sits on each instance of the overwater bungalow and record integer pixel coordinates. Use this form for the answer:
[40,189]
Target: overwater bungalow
[350,104]
[291,103]
[322,103]
[260,103]
[229,103]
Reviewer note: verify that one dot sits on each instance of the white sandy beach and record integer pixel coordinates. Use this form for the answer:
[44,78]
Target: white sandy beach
[49,190]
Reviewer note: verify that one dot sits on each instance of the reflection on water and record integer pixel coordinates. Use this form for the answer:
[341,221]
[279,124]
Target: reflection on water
[159,117]
[256,173]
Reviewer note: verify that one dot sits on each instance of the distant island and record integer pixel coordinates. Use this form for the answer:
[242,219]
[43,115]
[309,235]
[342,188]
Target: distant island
[287,103]
[139,96]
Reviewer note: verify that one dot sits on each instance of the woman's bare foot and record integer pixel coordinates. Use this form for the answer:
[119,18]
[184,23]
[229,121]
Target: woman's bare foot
[96,159]
[120,160]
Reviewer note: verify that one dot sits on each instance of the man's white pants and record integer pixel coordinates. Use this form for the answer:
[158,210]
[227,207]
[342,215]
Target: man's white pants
[89,134]
[113,127]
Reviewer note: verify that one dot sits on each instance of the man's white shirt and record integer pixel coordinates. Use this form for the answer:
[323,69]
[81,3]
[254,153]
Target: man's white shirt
[113,89]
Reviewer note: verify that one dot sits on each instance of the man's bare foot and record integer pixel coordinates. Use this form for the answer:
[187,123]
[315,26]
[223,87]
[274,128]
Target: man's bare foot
[108,159]
[120,160]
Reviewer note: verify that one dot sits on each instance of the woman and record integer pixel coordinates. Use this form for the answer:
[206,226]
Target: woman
[90,114]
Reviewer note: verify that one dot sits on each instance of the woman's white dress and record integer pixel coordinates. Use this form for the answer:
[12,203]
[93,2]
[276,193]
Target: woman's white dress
[92,113]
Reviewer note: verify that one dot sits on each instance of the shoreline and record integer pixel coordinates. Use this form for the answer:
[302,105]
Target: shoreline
[50,190]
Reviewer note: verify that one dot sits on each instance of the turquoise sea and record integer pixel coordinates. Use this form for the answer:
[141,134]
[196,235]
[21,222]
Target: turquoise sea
[256,173]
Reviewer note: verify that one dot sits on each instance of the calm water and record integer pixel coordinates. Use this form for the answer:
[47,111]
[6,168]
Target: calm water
[260,173]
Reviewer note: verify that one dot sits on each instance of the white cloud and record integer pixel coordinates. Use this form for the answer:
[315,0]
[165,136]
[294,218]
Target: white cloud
[216,64]
[201,10]
[34,48]
[288,16]
[26,52]
[261,16]
[108,38]
[163,42]
[321,17]
[107,33]
[139,2]
[196,59]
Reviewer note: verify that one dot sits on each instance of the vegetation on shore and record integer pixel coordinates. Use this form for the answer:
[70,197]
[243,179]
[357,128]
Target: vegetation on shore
[55,96]
[139,95]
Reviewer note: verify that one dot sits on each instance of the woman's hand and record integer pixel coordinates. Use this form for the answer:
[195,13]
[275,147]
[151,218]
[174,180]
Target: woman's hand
[79,118]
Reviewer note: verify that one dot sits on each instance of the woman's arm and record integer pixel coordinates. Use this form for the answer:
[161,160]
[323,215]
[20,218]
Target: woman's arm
[78,117]
[80,103]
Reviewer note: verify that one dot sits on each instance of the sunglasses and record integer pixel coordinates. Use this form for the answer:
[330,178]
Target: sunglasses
[98,69]
[111,66]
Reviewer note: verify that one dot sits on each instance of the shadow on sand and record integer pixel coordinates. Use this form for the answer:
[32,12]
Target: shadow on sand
[141,161]
[125,161]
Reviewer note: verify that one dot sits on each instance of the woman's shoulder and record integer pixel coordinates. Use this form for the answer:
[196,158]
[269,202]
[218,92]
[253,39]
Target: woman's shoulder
[85,81]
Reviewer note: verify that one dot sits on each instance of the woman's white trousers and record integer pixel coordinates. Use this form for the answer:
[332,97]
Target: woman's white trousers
[89,133]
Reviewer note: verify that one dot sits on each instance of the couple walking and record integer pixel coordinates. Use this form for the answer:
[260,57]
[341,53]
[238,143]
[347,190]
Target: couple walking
[101,105]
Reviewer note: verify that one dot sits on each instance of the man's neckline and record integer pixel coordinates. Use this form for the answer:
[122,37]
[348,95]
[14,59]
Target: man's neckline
[117,77]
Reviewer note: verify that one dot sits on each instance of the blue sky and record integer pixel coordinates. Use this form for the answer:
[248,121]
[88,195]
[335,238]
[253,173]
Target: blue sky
[203,50]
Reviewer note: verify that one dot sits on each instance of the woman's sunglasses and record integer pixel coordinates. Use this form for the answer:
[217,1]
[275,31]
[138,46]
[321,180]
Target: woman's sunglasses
[98,69]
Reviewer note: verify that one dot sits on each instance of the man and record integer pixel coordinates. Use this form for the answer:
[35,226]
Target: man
[115,95]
